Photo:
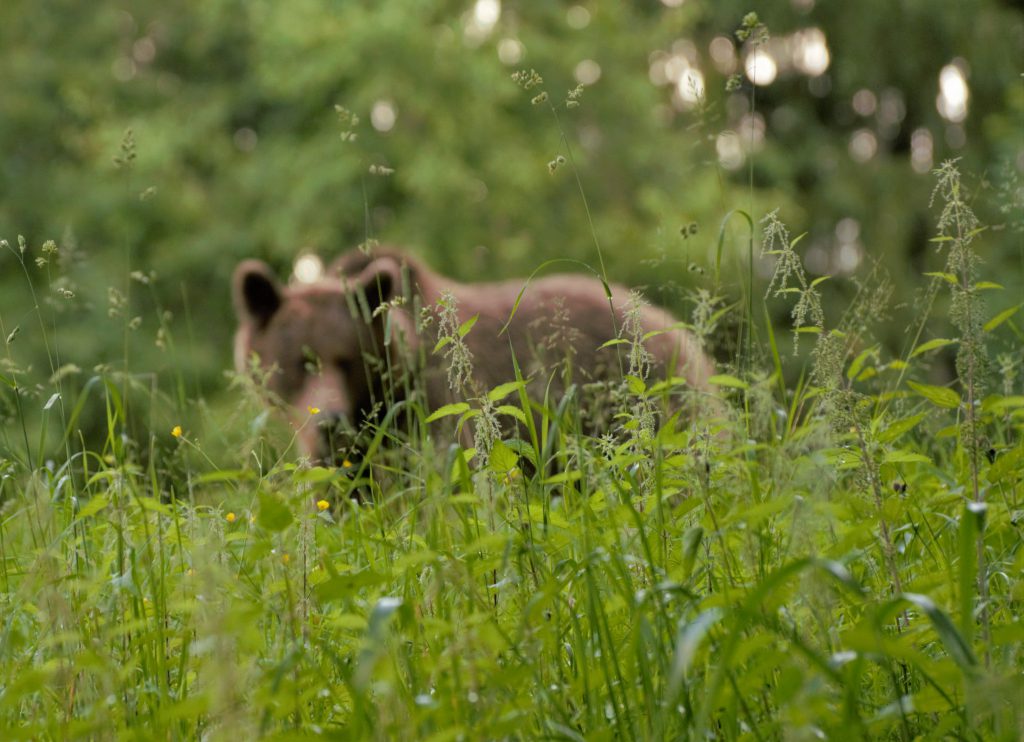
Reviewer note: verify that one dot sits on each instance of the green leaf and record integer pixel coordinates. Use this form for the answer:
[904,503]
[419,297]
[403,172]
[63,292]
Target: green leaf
[501,391]
[1008,466]
[512,411]
[273,515]
[931,345]
[636,384]
[688,641]
[898,427]
[1000,318]
[691,544]
[819,280]
[947,277]
[726,380]
[859,361]
[905,457]
[346,585]
[958,649]
[938,395]
[224,475]
[154,505]
[610,343]
[983,285]
[447,410]
[316,474]
[466,326]
[442,342]
[95,504]
[502,459]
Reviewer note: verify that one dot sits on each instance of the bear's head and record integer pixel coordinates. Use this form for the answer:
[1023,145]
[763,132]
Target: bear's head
[324,346]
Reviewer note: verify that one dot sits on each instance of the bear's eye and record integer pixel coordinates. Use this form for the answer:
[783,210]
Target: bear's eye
[343,364]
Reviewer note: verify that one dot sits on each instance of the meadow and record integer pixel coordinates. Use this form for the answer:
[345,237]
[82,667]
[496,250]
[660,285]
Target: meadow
[825,545]
[836,559]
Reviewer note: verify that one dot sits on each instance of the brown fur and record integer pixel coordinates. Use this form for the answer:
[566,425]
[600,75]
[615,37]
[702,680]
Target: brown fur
[319,338]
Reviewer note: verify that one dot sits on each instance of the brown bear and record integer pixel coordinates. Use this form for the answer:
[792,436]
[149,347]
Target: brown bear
[350,343]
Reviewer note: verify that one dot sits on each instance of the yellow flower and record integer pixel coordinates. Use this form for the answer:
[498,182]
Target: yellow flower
[230,517]
[176,431]
[285,558]
[322,504]
[313,410]
[346,464]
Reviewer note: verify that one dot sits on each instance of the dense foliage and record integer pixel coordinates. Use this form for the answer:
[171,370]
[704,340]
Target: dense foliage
[827,546]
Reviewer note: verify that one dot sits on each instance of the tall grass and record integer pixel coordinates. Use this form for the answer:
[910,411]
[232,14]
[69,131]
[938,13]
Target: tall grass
[827,577]
[837,560]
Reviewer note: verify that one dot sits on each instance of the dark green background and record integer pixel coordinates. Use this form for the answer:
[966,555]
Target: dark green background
[471,190]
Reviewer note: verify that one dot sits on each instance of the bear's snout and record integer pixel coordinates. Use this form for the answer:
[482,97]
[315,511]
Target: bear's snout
[332,434]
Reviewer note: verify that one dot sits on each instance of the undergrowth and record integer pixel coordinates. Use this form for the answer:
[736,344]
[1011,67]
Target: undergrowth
[838,558]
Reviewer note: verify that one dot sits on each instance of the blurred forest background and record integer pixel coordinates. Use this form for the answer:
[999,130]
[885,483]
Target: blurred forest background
[237,149]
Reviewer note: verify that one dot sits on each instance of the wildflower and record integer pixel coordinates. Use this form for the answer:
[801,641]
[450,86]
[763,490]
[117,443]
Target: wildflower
[346,464]
[285,558]
[322,505]
[176,431]
[230,517]
[313,410]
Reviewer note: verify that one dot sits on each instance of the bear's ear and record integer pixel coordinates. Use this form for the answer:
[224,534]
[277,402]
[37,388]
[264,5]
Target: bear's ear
[256,292]
[381,280]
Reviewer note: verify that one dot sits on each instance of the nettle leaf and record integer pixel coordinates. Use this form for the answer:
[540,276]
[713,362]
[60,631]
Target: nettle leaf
[447,410]
[636,385]
[502,459]
[905,457]
[466,326]
[501,391]
[343,586]
[859,361]
[1000,318]
[96,503]
[1007,466]
[947,277]
[898,427]
[273,515]
[931,345]
[937,395]
[512,411]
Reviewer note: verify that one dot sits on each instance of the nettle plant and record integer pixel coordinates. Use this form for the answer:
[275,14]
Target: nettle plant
[942,460]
